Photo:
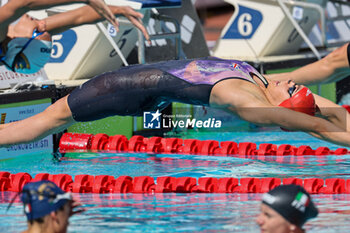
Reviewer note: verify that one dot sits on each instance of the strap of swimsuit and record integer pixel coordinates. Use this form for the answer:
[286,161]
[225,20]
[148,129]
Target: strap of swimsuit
[262,78]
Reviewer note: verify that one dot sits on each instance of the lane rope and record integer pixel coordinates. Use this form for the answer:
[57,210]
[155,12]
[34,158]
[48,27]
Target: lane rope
[76,142]
[85,183]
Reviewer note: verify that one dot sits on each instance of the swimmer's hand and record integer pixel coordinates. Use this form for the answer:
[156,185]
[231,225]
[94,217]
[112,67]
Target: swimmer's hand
[134,17]
[41,26]
[101,8]
[74,210]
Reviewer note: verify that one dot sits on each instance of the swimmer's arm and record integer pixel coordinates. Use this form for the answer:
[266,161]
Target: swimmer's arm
[268,115]
[333,67]
[333,112]
[14,9]
[86,15]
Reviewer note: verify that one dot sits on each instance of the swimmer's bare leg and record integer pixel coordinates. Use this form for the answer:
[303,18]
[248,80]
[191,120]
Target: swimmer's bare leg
[55,118]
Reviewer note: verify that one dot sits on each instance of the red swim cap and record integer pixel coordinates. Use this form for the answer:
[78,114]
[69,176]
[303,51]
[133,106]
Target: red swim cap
[303,101]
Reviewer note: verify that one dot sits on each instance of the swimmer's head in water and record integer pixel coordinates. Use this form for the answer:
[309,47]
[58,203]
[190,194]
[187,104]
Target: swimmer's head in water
[292,202]
[41,198]
[303,101]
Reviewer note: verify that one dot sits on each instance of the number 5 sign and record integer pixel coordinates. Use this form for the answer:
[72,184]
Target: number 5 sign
[62,44]
[245,24]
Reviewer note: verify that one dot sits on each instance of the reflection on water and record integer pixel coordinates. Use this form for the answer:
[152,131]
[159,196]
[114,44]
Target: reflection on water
[180,213]
[185,165]
[185,212]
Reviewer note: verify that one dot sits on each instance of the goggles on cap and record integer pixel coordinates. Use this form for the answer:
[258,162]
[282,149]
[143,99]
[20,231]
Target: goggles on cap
[41,198]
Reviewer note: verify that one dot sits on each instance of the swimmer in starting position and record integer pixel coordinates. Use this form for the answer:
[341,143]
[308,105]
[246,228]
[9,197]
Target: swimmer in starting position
[11,10]
[285,209]
[232,85]
[25,45]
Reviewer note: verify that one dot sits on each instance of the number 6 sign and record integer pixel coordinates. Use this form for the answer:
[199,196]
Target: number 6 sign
[244,25]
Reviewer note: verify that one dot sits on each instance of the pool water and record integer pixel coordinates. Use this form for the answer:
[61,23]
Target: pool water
[189,212]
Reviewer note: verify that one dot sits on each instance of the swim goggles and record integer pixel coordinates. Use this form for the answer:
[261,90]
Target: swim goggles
[292,89]
[39,203]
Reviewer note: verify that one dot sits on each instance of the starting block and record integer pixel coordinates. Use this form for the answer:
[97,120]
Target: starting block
[261,28]
[85,51]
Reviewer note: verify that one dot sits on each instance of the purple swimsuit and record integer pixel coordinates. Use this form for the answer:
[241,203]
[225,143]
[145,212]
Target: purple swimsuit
[212,70]
[135,89]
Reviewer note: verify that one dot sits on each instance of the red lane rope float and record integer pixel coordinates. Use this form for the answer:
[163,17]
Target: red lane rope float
[145,184]
[119,143]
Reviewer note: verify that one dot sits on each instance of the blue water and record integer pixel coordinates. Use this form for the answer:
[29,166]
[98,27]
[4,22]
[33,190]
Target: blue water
[186,212]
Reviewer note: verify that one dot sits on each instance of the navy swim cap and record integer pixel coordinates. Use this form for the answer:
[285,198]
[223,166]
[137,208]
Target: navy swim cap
[292,202]
[27,58]
[41,198]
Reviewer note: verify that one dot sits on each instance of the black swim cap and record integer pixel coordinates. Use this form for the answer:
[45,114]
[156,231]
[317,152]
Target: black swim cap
[292,202]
